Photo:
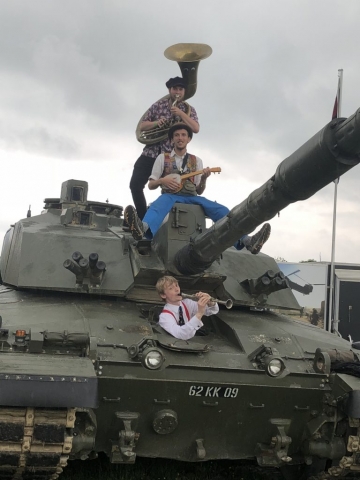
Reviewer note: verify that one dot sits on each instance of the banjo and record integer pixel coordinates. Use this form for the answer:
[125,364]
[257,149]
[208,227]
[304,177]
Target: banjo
[181,178]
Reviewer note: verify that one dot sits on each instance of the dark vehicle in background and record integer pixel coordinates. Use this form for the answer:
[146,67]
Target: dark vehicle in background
[84,367]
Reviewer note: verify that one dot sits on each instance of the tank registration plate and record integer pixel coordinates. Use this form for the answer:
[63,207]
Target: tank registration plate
[219,392]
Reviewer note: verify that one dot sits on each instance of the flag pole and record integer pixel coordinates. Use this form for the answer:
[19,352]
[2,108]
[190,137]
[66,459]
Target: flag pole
[332,322]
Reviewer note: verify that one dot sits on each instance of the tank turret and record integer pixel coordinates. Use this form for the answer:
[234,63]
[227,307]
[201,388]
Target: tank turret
[77,245]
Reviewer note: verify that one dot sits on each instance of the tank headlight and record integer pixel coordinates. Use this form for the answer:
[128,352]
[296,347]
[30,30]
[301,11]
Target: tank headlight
[153,359]
[320,365]
[147,352]
[322,362]
[275,367]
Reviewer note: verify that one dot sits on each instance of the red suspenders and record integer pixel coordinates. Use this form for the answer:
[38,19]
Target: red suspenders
[186,312]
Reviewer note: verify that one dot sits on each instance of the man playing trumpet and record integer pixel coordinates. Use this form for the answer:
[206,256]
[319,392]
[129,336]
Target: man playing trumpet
[179,161]
[182,318]
[158,114]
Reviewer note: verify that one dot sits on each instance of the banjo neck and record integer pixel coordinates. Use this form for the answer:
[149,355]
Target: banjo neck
[199,172]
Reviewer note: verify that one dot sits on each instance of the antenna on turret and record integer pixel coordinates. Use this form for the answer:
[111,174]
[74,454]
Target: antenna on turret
[28,215]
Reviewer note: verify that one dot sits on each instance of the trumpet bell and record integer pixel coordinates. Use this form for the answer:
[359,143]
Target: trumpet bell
[188,52]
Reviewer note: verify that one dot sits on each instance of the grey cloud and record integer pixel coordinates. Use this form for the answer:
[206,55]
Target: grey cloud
[41,141]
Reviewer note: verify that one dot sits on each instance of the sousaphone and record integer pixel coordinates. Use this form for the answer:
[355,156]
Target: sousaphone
[188,56]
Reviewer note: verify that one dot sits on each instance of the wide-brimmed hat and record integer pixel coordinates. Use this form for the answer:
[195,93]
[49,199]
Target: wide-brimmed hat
[175,82]
[180,126]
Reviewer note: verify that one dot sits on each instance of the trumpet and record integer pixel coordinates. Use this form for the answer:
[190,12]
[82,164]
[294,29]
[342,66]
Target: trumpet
[228,303]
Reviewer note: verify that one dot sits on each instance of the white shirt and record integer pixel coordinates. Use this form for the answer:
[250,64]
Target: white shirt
[158,167]
[170,321]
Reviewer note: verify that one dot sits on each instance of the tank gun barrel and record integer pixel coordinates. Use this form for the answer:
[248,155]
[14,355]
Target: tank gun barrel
[326,156]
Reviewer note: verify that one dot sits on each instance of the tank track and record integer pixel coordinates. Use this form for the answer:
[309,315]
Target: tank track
[349,465]
[326,476]
[35,442]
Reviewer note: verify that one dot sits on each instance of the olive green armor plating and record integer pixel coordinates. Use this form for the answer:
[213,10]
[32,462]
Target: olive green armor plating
[85,368]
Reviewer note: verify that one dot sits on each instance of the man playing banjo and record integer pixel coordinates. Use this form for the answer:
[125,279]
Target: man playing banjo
[189,191]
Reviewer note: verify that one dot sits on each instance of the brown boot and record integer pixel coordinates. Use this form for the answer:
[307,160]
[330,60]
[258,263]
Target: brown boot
[257,241]
[134,222]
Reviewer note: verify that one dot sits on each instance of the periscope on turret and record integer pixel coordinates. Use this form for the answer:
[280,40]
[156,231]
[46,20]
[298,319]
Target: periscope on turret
[85,367]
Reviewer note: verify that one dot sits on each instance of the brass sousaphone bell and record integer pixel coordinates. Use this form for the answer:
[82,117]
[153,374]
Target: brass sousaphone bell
[188,56]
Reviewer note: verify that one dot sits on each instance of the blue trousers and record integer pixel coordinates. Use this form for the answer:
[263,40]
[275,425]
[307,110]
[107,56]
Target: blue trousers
[162,206]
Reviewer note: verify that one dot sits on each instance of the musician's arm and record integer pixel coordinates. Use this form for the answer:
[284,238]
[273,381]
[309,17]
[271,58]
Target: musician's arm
[190,120]
[168,182]
[154,184]
[155,179]
[152,118]
[200,187]
[150,125]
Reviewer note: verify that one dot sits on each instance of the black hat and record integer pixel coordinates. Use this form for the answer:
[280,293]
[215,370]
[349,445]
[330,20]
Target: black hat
[179,126]
[175,82]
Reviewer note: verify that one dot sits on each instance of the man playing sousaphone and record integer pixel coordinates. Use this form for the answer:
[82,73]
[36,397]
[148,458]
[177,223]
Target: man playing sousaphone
[180,162]
[163,111]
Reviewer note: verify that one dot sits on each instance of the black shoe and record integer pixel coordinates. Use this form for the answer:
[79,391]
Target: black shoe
[134,222]
[257,241]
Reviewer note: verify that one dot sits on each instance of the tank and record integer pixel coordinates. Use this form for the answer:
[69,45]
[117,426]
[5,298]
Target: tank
[85,367]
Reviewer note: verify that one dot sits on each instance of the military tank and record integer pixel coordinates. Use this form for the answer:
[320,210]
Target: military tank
[85,368]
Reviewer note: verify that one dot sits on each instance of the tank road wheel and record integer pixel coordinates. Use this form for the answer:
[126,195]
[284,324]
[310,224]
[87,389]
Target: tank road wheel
[35,442]
[348,466]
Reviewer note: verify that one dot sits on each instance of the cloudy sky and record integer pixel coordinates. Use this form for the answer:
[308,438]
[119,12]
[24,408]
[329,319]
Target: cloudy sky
[76,76]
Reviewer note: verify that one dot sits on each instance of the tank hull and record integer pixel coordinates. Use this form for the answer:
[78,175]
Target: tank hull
[211,403]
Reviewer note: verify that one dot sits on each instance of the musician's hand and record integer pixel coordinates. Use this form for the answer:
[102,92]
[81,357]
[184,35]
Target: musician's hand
[176,111]
[204,299]
[161,121]
[206,174]
[170,183]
